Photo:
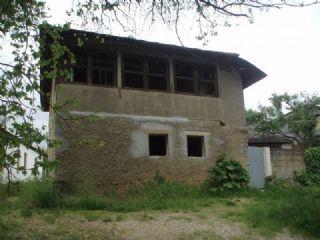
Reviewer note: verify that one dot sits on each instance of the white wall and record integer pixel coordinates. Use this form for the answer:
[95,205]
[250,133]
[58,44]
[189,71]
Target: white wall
[18,175]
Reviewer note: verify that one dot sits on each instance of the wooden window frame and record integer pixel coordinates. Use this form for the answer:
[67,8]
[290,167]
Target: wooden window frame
[145,72]
[203,148]
[90,67]
[106,69]
[196,79]
[166,138]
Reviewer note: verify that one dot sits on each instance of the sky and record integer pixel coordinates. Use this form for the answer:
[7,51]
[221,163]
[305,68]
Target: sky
[285,44]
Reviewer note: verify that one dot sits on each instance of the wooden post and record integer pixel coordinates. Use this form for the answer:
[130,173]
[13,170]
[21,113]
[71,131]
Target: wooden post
[119,73]
[171,76]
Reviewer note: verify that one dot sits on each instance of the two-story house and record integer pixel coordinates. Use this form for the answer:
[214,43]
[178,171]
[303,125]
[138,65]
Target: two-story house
[144,107]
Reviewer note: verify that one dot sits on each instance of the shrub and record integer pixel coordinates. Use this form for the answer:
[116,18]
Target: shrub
[227,176]
[39,194]
[312,174]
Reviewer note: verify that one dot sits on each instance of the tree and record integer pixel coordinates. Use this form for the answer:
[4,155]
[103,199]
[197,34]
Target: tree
[20,57]
[290,116]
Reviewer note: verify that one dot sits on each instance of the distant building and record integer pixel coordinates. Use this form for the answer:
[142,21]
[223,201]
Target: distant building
[286,157]
[22,170]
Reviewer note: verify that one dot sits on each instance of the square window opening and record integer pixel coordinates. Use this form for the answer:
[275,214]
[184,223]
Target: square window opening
[158,144]
[195,146]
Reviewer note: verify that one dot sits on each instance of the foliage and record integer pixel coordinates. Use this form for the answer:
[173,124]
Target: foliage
[290,116]
[227,176]
[276,208]
[162,196]
[158,179]
[39,194]
[312,174]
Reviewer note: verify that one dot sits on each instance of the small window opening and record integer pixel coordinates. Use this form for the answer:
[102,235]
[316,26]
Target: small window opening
[195,146]
[158,145]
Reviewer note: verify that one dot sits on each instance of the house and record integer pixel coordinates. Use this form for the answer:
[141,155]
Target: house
[24,165]
[28,158]
[145,107]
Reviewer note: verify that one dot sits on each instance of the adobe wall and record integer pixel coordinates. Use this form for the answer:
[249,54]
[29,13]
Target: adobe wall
[285,162]
[112,147]
[114,151]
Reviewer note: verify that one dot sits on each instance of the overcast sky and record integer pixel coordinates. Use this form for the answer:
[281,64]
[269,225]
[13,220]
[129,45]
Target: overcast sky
[285,44]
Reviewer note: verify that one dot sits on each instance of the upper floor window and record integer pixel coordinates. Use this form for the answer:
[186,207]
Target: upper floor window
[104,69]
[196,79]
[96,69]
[79,70]
[145,73]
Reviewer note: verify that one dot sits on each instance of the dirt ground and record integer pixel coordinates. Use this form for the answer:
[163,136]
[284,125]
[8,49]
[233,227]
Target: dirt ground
[72,225]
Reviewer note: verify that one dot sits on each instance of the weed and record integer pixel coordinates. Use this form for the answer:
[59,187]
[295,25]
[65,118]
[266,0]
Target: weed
[50,218]
[179,217]
[230,203]
[145,217]
[107,219]
[278,207]
[39,194]
[91,216]
[119,218]
[26,212]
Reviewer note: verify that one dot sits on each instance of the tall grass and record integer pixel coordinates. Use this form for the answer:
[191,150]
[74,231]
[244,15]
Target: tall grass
[162,196]
[271,210]
[39,194]
[296,208]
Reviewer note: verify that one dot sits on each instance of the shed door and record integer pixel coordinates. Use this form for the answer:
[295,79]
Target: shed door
[256,167]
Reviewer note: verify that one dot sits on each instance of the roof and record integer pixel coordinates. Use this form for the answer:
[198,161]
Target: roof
[249,73]
[269,139]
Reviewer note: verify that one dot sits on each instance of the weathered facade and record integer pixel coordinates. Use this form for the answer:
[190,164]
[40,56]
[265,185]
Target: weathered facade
[146,107]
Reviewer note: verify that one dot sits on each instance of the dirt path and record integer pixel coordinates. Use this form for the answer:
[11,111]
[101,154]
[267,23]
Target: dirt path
[138,226]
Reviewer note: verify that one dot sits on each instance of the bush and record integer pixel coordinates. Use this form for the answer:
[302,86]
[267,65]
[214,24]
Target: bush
[39,194]
[312,174]
[227,176]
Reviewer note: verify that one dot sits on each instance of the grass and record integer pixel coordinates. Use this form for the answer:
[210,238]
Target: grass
[167,196]
[269,211]
[279,207]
